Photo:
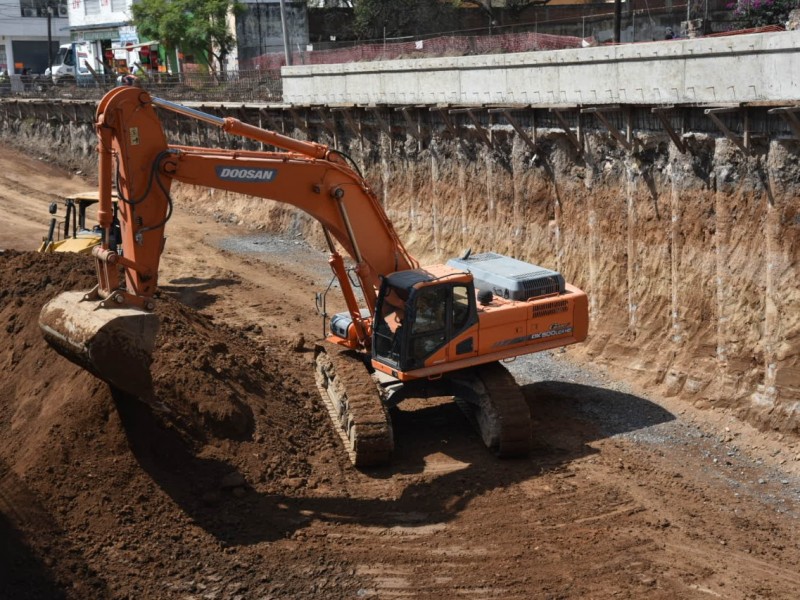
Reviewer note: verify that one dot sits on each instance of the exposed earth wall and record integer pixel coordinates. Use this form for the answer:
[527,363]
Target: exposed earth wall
[690,259]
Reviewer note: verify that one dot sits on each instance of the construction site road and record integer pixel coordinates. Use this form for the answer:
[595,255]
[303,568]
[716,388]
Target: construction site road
[624,495]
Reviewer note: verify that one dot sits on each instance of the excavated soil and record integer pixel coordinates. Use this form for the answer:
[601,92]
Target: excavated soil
[114,495]
[234,485]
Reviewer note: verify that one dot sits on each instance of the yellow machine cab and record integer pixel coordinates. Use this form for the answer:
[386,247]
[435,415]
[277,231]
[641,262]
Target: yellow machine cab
[73,233]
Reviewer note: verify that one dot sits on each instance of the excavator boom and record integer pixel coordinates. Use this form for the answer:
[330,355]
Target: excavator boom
[134,157]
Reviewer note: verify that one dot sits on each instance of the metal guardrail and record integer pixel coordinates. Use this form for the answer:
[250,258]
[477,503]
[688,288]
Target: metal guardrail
[253,86]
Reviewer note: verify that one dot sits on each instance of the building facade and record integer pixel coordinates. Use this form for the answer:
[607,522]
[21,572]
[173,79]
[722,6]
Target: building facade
[106,24]
[25,27]
[117,47]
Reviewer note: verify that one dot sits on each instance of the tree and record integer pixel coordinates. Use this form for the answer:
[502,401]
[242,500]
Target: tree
[375,19]
[199,27]
[757,13]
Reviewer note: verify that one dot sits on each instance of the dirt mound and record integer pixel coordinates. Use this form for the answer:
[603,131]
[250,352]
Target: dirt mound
[101,496]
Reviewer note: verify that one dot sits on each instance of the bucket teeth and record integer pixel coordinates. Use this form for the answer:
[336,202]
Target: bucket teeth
[114,344]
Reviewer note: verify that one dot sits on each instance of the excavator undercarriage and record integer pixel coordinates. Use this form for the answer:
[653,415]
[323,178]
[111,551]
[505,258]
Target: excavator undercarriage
[358,401]
[354,405]
[493,402]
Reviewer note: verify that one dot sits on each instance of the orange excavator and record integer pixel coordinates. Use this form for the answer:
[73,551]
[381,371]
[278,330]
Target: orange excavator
[416,331]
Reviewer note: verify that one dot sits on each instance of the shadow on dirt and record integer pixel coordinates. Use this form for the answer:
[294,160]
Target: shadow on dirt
[22,573]
[30,539]
[570,412]
[195,292]
[567,418]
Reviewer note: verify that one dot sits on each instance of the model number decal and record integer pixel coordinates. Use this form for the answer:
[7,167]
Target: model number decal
[245,174]
[535,336]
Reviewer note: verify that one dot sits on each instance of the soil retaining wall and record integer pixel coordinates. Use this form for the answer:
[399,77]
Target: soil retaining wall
[690,259]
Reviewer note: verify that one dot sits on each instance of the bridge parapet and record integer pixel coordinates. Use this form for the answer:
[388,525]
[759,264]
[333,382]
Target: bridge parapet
[755,68]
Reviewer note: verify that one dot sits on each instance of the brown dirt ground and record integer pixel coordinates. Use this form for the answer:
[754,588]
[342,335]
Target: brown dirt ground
[237,488]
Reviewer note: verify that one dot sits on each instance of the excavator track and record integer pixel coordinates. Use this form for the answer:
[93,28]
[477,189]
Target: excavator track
[355,406]
[497,409]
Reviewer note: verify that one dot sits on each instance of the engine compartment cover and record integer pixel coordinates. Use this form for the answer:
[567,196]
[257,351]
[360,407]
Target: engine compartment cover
[508,277]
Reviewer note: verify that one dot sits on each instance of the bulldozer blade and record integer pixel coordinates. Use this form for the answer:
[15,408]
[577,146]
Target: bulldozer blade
[114,344]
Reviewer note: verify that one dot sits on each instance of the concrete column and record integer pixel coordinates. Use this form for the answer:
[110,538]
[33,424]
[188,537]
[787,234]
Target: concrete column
[463,202]
[434,200]
[772,259]
[675,175]
[9,56]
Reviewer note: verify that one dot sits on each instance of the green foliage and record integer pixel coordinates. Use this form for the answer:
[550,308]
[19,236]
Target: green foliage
[757,13]
[401,18]
[198,27]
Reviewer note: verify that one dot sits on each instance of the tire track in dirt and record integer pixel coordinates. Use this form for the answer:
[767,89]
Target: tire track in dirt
[768,570]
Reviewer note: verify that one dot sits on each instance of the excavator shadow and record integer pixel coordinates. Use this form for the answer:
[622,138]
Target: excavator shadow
[22,573]
[569,416]
[196,292]
[29,537]
[439,465]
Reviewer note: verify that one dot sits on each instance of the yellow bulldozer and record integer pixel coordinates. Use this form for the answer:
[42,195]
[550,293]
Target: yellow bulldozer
[73,234]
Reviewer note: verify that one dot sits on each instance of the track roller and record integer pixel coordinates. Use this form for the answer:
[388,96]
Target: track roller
[355,406]
[497,409]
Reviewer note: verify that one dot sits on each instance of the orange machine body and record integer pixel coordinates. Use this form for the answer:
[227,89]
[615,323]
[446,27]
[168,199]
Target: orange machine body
[506,329]
[135,156]
[499,329]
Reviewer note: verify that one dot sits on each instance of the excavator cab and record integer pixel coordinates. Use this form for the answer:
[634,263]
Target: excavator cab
[418,314]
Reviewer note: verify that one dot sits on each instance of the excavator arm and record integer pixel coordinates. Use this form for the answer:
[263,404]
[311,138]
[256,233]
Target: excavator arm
[135,157]
[332,193]
[308,175]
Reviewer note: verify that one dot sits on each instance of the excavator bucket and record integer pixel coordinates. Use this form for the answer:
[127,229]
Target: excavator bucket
[115,344]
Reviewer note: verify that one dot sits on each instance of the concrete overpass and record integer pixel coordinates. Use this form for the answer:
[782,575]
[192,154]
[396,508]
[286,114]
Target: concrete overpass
[754,68]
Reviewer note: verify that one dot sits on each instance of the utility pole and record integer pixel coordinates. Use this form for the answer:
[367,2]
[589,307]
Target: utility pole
[617,20]
[286,46]
[50,38]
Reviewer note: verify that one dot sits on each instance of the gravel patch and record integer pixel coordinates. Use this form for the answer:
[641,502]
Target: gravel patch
[618,412]
[292,252]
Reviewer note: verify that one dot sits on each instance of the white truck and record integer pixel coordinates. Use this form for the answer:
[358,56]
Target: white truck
[73,62]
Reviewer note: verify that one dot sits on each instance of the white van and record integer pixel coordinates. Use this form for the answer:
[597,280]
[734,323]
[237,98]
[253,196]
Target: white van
[72,55]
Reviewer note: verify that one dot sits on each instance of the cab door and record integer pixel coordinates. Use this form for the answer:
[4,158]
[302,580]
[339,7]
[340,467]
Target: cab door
[429,321]
[464,315]
[442,313]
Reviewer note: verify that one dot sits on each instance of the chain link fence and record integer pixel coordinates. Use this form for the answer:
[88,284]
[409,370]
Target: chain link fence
[425,48]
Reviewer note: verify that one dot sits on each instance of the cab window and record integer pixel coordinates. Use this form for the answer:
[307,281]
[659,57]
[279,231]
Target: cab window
[431,310]
[429,330]
[388,330]
[460,307]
